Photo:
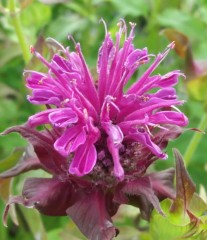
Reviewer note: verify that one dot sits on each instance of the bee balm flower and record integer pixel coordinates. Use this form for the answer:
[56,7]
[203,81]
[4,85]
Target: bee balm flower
[101,139]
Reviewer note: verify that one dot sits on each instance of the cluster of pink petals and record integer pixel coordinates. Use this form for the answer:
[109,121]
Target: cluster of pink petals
[96,128]
[81,109]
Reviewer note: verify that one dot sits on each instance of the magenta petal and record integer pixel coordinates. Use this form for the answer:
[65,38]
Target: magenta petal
[103,65]
[92,218]
[37,80]
[144,138]
[40,118]
[84,160]
[79,140]
[145,83]
[63,117]
[90,91]
[45,97]
[114,132]
[169,117]
[151,105]
[71,139]
[169,79]
[166,81]
[165,93]
[114,150]
[114,140]
[135,58]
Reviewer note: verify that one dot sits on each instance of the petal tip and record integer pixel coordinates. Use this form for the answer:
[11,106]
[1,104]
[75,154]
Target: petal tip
[119,173]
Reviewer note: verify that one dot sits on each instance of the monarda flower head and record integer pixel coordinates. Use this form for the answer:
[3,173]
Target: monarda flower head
[99,139]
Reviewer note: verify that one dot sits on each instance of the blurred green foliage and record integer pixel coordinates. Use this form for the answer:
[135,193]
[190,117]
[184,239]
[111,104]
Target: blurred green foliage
[80,18]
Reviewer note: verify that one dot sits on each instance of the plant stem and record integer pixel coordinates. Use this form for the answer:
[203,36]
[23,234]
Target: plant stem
[195,140]
[18,29]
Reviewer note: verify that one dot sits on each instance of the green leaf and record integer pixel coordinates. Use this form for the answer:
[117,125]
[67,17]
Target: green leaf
[54,234]
[53,1]
[197,205]
[6,91]
[70,229]
[69,23]
[183,21]
[25,3]
[3,230]
[36,15]
[5,192]
[184,213]
[78,8]
[162,228]
[133,8]
[8,52]
[202,229]
[34,221]
[11,160]
[197,88]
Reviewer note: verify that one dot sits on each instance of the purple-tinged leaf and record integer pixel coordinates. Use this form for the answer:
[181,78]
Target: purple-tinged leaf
[111,206]
[144,205]
[49,195]
[162,183]
[138,193]
[142,186]
[91,216]
[12,200]
[185,188]
[43,147]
